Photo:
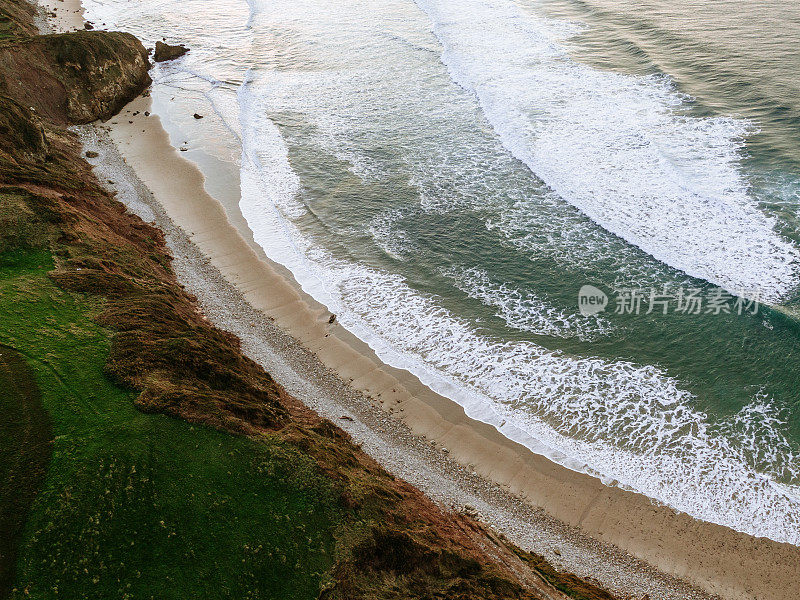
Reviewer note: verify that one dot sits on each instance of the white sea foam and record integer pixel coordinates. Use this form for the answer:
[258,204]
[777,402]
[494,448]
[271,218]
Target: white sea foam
[524,310]
[617,147]
[629,424]
[389,237]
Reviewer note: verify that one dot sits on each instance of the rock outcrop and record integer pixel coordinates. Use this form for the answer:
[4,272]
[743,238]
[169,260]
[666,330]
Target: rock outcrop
[166,52]
[74,77]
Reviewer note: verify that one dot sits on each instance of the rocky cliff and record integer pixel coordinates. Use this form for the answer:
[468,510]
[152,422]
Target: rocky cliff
[74,77]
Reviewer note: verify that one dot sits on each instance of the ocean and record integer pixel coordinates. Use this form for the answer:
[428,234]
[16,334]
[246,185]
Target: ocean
[466,184]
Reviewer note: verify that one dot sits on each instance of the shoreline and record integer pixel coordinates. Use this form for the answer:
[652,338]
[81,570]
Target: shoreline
[243,293]
[383,436]
[714,558]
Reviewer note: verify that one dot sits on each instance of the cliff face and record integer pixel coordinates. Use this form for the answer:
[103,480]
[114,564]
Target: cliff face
[22,133]
[74,77]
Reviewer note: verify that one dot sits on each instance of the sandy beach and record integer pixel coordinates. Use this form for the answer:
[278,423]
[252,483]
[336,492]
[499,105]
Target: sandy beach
[62,15]
[621,539]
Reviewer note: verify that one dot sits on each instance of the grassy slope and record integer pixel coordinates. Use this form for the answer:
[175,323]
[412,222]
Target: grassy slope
[139,505]
[16,16]
[25,437]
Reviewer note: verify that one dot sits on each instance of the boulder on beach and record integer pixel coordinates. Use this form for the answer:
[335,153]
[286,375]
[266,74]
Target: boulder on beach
[166,52]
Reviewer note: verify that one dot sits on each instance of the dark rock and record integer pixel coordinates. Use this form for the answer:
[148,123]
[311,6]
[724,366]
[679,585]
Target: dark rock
[91,154]
[88,26]
[196,116]
[166,52]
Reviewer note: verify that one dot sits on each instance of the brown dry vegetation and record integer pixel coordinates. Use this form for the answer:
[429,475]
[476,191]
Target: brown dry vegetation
[16,18]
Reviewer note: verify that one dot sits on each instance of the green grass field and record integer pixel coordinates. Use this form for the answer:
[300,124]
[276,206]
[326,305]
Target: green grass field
[146,506]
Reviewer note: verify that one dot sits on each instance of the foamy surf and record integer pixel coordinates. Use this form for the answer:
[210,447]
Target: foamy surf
[524,310]
[631,425]
[618,147]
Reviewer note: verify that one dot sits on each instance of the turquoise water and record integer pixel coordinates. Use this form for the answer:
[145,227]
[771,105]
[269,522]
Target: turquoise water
[446,176]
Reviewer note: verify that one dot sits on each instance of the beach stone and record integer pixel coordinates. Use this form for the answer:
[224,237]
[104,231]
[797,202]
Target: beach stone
[166,52]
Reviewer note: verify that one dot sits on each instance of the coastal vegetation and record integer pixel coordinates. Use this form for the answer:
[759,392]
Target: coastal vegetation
[144,455]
